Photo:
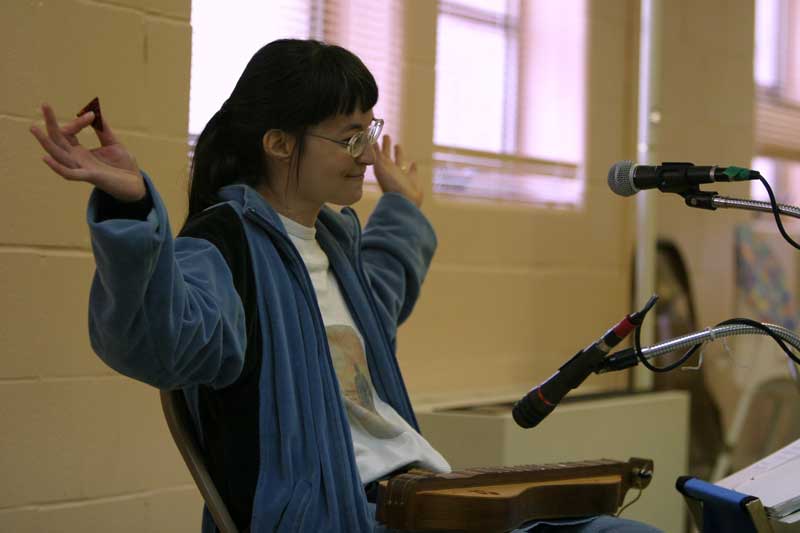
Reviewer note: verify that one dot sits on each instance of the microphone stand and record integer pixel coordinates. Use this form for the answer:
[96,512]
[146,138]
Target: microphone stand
[712,201]
[627,358]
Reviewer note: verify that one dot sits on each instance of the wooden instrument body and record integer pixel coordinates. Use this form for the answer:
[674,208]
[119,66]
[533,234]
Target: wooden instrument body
[501,499]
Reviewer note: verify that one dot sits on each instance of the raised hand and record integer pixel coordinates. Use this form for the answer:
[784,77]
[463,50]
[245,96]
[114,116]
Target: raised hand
[109,167]
[397,175]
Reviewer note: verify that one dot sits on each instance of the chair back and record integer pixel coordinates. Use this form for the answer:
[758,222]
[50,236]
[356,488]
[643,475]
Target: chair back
[180,424]
[716,509]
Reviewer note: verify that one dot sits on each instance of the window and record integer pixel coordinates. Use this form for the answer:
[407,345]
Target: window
[776,70]
[509,104]
[224,37]
[510,81]
[226,34]
[768,37]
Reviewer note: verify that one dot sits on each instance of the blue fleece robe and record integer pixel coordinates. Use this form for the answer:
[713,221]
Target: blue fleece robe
[165,311]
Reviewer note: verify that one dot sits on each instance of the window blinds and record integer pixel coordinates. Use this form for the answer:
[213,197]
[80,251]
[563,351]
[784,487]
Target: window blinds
[226,34]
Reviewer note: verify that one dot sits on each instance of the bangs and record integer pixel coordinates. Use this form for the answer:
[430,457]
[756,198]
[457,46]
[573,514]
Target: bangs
[292,84]
[341,83]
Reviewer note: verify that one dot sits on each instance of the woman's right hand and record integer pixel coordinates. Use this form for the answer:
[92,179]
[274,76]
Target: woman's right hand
[108,167]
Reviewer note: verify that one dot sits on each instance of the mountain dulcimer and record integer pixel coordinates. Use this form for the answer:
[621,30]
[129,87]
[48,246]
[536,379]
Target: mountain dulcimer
[500,499]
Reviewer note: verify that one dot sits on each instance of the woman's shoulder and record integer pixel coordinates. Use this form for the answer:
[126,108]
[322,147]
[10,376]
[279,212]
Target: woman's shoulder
[218,220]
[222,226]
[342,224]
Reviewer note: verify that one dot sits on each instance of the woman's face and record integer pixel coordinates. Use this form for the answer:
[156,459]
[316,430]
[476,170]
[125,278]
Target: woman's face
[327,171]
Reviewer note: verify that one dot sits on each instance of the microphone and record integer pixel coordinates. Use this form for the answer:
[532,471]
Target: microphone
[626,178]
[543,398]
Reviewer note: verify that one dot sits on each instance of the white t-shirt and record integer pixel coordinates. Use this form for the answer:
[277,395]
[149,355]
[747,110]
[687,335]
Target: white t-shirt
[383,441]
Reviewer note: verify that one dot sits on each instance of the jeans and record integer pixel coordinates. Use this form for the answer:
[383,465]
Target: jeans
[594,524]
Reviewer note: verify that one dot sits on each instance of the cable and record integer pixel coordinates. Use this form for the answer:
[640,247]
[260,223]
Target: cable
[634,500]
[768,331]
[637,347]
[776,213]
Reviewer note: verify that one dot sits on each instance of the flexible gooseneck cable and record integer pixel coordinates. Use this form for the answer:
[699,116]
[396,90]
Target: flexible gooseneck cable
[628,358]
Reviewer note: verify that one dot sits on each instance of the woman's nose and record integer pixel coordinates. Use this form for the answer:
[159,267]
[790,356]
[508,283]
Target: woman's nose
[368,156]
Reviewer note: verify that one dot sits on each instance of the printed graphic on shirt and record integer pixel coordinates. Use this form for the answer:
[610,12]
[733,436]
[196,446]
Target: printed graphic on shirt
[350,363]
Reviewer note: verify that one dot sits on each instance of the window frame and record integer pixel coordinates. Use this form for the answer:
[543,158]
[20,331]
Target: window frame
[777,114]
[454,168]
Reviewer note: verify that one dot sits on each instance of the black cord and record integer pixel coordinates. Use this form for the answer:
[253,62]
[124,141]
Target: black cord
[776,213]
[768,331]
[634,500]
[637,343]
[637,346]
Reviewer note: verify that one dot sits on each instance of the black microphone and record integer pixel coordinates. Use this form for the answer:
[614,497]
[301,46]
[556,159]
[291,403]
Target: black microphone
[626,178]
[542,399]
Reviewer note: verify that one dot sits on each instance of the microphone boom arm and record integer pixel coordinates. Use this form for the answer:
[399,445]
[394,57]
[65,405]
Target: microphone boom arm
[712,201]
[627,358]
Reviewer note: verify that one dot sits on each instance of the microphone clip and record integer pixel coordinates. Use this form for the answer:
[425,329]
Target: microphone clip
[677,180]
[700,199]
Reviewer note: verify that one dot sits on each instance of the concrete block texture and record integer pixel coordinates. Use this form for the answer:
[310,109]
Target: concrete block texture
[45,333]
[67,52]
[42,209]
[489,235]
[514,327]
[175,510]
[174,9]
[84,449]
[77,439]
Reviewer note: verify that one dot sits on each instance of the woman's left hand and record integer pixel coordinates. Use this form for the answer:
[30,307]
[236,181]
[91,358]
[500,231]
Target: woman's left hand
[397,175]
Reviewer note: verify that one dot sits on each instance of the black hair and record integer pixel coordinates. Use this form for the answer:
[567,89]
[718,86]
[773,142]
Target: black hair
[290,85]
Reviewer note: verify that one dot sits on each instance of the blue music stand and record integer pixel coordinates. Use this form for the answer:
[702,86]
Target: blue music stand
[719,510]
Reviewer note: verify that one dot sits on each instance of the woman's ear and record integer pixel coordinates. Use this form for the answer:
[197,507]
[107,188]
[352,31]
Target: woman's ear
[278,144]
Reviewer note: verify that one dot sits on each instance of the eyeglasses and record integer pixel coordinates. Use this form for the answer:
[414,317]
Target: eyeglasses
[358,142]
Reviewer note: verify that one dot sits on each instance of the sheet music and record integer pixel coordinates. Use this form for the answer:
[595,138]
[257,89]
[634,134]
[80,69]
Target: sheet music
[759,468]
[778,489]
[775,480]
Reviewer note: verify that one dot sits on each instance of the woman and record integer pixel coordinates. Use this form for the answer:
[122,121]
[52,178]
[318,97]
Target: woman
[275,314]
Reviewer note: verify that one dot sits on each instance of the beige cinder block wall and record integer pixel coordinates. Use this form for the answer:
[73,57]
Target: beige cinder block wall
[82,449]
[86,450]
[515,289]
[708,107]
